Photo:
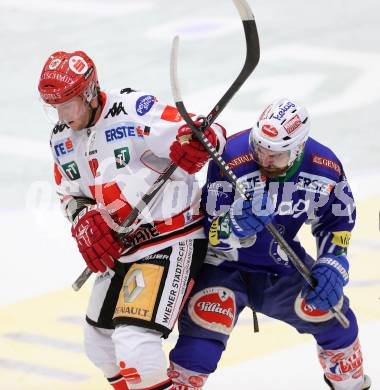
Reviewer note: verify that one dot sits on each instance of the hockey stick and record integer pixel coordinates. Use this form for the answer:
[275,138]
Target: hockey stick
[252,59]
[252,49]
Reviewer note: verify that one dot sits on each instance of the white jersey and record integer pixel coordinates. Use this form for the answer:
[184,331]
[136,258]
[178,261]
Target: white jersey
[117,160]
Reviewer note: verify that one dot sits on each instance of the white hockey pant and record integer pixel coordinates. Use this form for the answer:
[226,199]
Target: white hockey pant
[140,356]
[100,350]
[134,352]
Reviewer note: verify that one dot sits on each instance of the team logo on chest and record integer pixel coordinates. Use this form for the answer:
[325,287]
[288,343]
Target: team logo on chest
[71,169]
[276,252]
[122,157]
[63,147]
[126,130]
[314,183]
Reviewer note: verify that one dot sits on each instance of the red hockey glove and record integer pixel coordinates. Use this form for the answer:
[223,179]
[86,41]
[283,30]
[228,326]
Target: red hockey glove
[188,153]
[95,239]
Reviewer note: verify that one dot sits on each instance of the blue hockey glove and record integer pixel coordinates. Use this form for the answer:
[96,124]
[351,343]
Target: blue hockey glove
[331,274]
[249,217]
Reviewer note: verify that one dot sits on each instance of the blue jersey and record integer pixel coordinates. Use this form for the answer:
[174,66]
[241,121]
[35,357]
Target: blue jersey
[313,191]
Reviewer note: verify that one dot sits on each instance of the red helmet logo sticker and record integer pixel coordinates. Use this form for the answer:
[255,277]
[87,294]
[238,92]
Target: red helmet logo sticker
[214,309]
[78,65]
[269,130]
[54,63]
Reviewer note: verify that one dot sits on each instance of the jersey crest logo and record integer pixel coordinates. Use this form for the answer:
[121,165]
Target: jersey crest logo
[122,157]
[276,252]
[116,110]
[71,170]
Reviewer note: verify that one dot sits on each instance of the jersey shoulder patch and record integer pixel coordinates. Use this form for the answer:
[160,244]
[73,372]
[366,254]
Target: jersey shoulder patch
[320,160]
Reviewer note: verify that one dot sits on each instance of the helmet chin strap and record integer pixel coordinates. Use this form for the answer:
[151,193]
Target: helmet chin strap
[94,110]
[92,117]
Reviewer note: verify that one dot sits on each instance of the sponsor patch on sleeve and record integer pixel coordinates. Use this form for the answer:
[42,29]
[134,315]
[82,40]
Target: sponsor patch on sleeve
[71,169]
[144,104]
[63,147]
[213,233]
[171,114]
[325,162]
[341,238]
[245,158]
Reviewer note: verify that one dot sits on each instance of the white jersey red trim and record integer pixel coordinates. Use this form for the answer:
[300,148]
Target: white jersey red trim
[117,160]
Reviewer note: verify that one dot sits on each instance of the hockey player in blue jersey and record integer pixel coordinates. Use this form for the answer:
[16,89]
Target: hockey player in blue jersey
[293,180]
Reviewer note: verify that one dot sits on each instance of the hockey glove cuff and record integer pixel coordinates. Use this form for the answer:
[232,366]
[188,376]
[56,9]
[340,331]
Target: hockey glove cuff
[95,238]
[331,274]
[188,153]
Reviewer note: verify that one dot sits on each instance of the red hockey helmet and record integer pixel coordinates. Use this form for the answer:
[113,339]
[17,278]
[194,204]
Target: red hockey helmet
[66,75]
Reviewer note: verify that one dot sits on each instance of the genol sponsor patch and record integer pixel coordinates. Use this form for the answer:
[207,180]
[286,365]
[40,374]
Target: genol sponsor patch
[326,163]
[245,158]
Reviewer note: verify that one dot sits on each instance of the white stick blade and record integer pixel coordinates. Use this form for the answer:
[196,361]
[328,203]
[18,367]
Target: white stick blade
[173,70]
[244,10]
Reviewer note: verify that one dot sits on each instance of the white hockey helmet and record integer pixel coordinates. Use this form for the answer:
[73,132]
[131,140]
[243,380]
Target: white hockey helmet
[283,126]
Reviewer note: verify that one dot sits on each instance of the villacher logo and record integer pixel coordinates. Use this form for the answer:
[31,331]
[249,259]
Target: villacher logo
[116,110]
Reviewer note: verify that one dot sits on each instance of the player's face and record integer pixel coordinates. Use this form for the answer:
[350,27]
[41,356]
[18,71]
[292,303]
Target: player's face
[272,163]
[75,113]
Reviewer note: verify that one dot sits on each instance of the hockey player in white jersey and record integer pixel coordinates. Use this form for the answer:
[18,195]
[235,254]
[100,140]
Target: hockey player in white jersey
[109,148]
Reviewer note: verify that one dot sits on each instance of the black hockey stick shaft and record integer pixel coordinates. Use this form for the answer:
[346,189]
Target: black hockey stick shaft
[252,42]
[124,229]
